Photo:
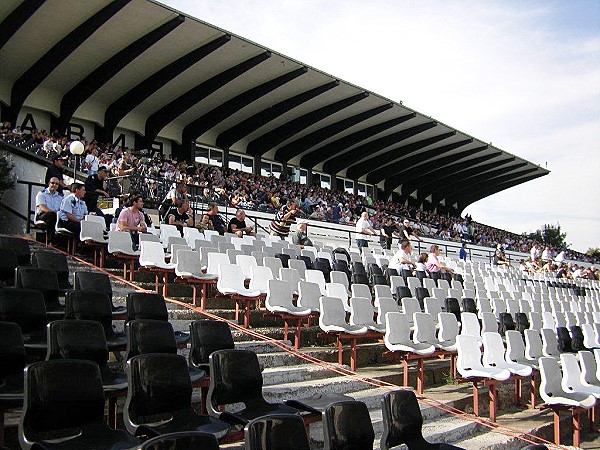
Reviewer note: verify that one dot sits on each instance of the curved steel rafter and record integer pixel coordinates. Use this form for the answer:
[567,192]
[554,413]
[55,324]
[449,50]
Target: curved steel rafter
[232,135]
[276,136]
[202,124]
[363,151]
[299,146]
[161,118]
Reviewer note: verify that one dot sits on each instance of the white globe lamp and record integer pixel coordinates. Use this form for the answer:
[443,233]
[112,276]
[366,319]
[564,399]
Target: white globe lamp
[76,148]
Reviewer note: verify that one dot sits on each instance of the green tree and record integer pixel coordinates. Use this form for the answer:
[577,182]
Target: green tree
[593,252]
[6,176]
[550,235]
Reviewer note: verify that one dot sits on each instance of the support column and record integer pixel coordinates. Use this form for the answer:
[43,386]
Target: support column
[309,177]
[225,158]
[257,165]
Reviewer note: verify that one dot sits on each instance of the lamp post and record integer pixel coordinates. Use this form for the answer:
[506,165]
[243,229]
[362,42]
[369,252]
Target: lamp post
[76,148]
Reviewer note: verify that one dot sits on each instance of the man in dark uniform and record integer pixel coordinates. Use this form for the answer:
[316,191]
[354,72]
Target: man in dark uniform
[56,170]
[94,187]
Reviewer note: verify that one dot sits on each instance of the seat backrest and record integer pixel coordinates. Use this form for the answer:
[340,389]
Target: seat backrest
[146,305]
[159,384]
[259,277]
[515,347]
[360,278]
[468,305]
[290,275]
[324,266]
[424,328]
[549,343]
[402,419]
[577,339]
[470,325]
[521,322]
[44,280]
[208,336]
[316,276]
[59,395]
[588,367]
[214,260]
[149,336]
[152,253]
[246,262]
[337,290]
[397,328]
[535,320]
[469,355]
[493,349]
[274,264]
[564,339]
[188,262]
[20,247]
[410,305]
[93,281]
[52,260]
[308,295]
[333,312]
[385,306]
[279,294]
[451,305]
[24,307]
[235,377]
[77,339]
[533,344]
[420,294]
[281,431]
[92,230]
[361,311]
[299,265]
[448,327]
[382,290]
[230,277]
[339,277]
[403,291]
[505,323]
[12,349]
[551,377]
[347,425]
[89,305]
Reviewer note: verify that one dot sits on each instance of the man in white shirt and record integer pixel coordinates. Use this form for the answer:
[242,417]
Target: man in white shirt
[403,257]
[363,228]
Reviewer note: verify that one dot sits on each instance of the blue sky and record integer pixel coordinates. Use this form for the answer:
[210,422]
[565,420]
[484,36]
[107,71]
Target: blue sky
[524,75]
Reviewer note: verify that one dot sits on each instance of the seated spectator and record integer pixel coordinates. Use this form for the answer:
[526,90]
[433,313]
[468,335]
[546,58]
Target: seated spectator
[300,237]
[403,257]
[499,257]
[433,262]
[73,209]
[237,225]
[47,204]
[218,224]
[56,171]
[180,216]
[205,223]
[421,264]
[132,219]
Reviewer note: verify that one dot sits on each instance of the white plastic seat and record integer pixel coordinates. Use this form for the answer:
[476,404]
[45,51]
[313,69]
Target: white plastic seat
[428,283]
[470,326]
[386,305]
[299,265]
[468,362]
[433,307]
[214,260]
[233,254]
[174,249]
[274,264]
[309,295]
[246,262]
[279,299]
[337,276]
[589,368]
[360,290]
[208,234]
[120,242]
[200,243]
[316,276]
[167,231]
[333,317]
[494,356]
[413,282]
[231,281]
[153,255]
[410,306]
[259,256]
[590,338]
[571,380]
[484,305]
[535,321]
[292,276]
[438,293]
[515,349]
[381,290]
[448,330]
[425,331]
[191,234]
[498,306]
[339,291]
[533,345]
[259,278]
[551,389]
[361,313]
[92,232]
[488,322]
[188,266]
[203,252]
[548,320]
[95,219]
[397,336]
[396,281]
[455,293]
[550,343]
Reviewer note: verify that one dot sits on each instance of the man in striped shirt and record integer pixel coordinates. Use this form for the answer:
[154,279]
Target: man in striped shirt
[284,218]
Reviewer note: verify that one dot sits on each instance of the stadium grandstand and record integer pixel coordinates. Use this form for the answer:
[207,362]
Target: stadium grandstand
[304,232]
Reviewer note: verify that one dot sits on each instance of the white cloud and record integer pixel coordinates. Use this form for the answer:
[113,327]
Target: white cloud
[512,73]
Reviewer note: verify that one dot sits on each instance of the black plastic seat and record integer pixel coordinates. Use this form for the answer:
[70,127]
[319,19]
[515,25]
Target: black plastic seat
[521,322]
[64,399]
[405,273]
[284,258]
[235,377]
[12,362]
[208,336]
[347,426]
[358,267]
[403,291]
[96,281]
[421,275]
[341,266]
[403,423]
[469,305]
[95,305]
[20,247]
[155,336]
[45,281]
[324,266]
[8,264]
[577,339]
[276,432]
[55,261]
[360,278]
[446,276]
[183,440]
[150,305]
[435,276]
[307,262]
[84,339]
[451,305]
[26,308]
[420,294]
[159,399]
[389,273]
[459,277]
[505,323]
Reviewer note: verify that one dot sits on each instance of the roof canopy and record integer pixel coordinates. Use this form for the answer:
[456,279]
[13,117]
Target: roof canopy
[142,66]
